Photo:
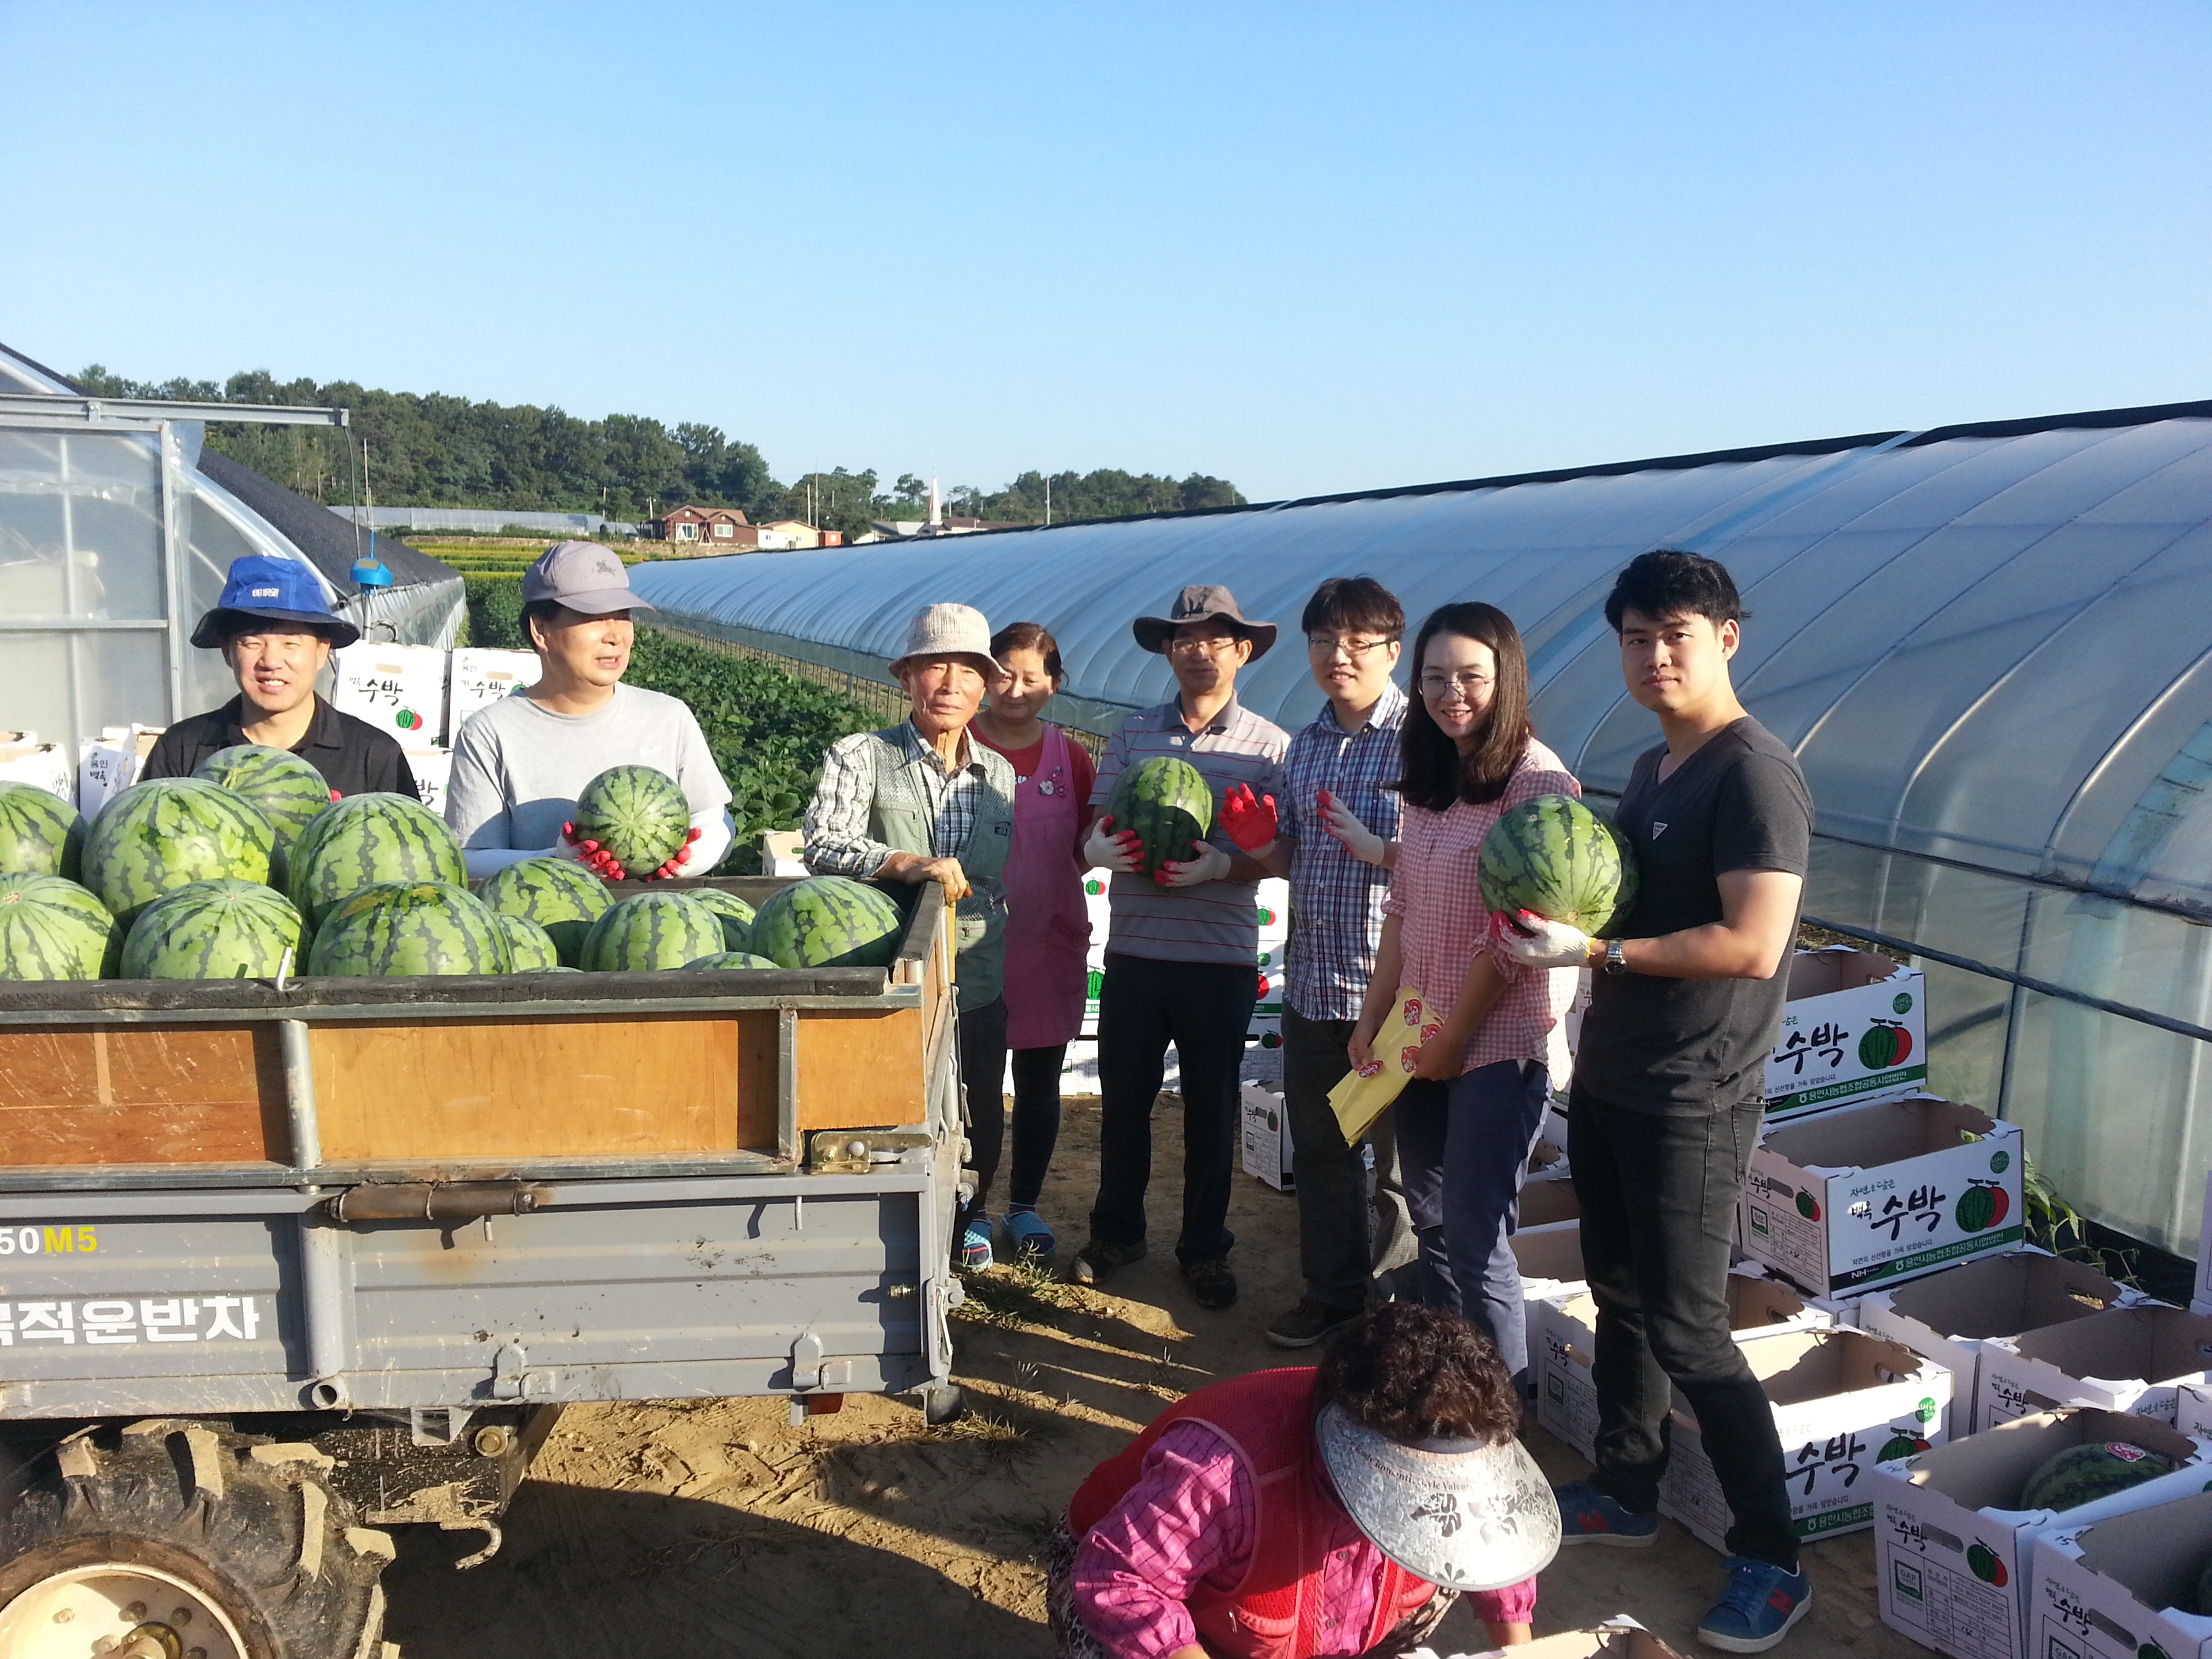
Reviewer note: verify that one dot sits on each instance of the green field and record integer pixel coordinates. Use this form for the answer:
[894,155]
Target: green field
[473,558]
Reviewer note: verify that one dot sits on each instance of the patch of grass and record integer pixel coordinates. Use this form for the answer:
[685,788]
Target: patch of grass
[979,1426]
[1014,1294]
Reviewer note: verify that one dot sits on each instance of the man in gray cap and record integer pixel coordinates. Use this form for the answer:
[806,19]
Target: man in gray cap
[1182,953]
[923,801]
[520,763]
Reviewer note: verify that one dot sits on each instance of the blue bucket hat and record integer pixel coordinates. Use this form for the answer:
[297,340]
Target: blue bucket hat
[271,590]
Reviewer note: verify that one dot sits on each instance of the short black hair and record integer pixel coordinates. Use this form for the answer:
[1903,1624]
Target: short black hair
[1669,582]
[1349,602]
[544,610]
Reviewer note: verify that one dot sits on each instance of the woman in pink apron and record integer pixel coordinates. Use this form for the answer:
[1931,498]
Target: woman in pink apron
[1048,933]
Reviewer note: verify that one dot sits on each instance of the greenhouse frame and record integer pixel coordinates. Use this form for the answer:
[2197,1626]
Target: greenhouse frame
[1990,647]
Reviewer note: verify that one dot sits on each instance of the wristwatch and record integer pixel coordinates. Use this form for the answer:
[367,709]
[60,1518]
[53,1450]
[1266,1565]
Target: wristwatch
[1614,961]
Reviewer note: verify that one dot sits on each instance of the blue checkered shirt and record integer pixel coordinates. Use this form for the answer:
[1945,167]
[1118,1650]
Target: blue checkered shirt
[1336,900]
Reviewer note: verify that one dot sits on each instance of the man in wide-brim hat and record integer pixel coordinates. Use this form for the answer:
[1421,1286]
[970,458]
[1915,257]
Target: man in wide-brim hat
[923,801]
[1182,953]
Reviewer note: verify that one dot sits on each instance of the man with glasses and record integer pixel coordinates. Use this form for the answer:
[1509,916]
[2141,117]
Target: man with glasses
[1337,765]
[275,631]
[1182,952]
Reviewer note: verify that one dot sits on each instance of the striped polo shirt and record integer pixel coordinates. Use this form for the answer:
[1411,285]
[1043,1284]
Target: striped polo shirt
[1217,920]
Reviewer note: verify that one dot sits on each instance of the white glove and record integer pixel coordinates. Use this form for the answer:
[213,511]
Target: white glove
[1108,848]
[1535,943]
[1209,863]
[1358,839]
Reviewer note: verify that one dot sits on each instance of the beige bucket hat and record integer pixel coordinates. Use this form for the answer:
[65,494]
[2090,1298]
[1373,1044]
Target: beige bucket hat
[949,630]
[1202,602]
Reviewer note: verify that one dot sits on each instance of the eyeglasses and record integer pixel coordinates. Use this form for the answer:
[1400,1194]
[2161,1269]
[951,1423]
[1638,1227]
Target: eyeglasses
[1440,688]
[1353,651]
[1211,645]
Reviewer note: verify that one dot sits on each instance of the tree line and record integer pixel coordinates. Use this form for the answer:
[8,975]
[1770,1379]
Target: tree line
[427,449]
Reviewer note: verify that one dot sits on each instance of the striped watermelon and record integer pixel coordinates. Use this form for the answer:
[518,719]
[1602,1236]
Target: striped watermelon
[650,931]
[213,930]
[559,895]
[2082,1475]
[637,814]
[40,835]
[830,922]
[728,961]
[1169,803]
[51,928]
[165,833]
[531,946]
[737,915]
[291,793]
[1554,857]
[365,840]
[398,927]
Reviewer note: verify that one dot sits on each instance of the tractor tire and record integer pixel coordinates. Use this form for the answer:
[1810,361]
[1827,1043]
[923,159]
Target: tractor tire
[181,1541]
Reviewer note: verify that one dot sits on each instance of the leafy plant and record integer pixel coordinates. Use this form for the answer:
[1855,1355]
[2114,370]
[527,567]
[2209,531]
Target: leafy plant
[2053,1224]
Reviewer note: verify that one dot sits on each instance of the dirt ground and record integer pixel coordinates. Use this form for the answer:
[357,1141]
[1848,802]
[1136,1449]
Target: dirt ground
[713,1527]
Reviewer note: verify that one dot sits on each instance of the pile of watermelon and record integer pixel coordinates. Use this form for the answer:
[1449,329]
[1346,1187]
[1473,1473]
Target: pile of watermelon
[249,870]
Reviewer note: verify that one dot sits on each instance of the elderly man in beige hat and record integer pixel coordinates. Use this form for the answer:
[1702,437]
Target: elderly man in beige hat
[922,802]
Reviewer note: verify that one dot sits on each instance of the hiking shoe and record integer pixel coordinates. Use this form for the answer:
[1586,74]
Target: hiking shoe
[1212,1282]
[974,1251]
[1096,1263]
[1587,1516]
[1307,1324]
[1757,1609]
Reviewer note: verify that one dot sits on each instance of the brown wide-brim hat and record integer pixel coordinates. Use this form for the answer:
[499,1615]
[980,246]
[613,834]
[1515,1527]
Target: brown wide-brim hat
[1202,602]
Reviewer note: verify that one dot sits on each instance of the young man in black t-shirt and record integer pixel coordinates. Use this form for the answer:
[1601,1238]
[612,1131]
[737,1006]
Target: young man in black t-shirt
[1669,1081]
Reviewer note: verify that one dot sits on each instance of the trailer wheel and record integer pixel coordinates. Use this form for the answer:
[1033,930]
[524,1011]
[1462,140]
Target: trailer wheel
[941,1403]
[183,1543]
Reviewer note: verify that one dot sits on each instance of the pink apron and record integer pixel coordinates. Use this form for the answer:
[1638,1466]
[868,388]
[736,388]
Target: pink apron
[1048,928]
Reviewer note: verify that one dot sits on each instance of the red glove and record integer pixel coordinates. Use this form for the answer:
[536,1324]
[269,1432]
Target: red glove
[675,867]
[1250,822]
[593,856]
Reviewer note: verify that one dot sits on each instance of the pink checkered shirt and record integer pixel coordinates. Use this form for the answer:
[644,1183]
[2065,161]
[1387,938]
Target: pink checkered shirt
[1433,890]
[1189,1520]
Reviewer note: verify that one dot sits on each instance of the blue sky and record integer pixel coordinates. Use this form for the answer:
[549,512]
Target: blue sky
[1309,248]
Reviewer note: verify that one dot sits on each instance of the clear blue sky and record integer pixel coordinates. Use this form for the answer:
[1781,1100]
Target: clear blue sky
[1309,248]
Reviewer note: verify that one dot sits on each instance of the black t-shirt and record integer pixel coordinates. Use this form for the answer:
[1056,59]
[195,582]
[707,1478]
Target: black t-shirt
[1691,1045]
[354,757]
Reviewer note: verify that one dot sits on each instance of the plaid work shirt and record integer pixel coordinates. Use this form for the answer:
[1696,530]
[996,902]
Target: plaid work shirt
[836,823]
[1336,900]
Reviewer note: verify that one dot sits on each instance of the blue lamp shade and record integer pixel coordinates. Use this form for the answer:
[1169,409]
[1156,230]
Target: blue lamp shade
[372,572]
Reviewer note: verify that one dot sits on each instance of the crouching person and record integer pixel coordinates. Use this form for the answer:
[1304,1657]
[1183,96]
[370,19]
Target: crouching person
[1300,1513]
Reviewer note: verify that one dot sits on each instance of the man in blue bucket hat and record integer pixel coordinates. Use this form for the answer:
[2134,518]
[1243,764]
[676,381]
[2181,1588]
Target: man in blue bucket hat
[276,631]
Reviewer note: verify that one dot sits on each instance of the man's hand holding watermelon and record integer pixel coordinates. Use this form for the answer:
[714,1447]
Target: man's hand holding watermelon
[1108,848]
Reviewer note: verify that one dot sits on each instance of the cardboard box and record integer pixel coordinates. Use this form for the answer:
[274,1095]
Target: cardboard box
[1953,1550]
[1843,1401]
[399,688]
[780,851]
[433,770]
[2125,1360]
[1854,1030]
[2119,1588]
[1949,1314]
[24,759]
[1267,1139]
[110,763]
[1619,1638]
[475,679]
[1548,1205]
[1563,1339]
[1851,1202]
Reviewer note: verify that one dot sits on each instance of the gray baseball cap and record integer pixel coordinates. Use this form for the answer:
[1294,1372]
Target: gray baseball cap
[583,575]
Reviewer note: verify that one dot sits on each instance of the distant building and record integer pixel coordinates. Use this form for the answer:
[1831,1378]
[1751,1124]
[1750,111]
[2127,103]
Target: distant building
[784,534]
[722,529]
[946,524]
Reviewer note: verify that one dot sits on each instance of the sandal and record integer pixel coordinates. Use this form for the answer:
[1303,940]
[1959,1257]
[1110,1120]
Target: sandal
[1030,1238]
[974,1252]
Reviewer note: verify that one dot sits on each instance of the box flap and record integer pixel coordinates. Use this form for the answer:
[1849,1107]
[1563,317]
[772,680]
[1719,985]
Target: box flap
[1862,1137]
[1544,1202]
[1837,967]
[2154,1553]
[2123,1344]
[1550,1256]
[2004,1295]
[1986,1471]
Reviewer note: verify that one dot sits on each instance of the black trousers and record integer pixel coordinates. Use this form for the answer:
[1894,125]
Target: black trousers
[1658,1196]
[981,1036]
[1350,1227]
[1205,1009]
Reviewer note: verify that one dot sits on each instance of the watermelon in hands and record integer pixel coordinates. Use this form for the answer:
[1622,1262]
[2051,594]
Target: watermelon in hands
[1168,805]
[1555,859]
[636,816]
[40,835]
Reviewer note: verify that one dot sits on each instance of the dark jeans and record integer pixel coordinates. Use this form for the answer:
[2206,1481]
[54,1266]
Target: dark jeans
[1658,1196]
[1465,1146]
[1205,1009]
[1344,1236]
[982,1037]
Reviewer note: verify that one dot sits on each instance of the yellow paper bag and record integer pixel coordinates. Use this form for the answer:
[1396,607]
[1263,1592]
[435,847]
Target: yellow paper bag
[1361,1097]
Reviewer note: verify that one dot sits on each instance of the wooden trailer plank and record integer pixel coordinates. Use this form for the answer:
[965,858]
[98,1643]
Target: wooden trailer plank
[861,1071]
[142,1094]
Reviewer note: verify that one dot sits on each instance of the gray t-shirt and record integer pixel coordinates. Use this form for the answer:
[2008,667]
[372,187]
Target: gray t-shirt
[518,768]
[1696,1045]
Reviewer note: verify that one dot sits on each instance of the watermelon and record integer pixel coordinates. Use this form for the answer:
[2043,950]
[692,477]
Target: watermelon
[559,895]
[650,931]
[51,928]
[728,960]
[830,922]
[530,945]
[40,835]
[1981,1206]
[637,814]
[737,915]
[395,927]
[168,832]
[2082,1475]
[1170,805]
[291,793]
[368,840]
[1555,858]
[1986,1564]
[213,930]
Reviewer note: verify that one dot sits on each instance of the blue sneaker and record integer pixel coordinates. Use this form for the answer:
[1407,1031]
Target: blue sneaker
[1587,1516]
[974,1251]
[1757,1609]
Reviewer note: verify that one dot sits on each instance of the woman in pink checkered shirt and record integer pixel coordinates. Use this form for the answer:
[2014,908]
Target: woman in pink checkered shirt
[1469,1119]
